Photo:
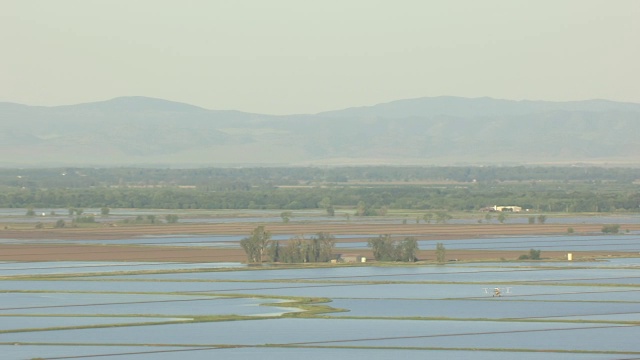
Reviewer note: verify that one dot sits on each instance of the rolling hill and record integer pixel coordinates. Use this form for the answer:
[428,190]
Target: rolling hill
[143,131]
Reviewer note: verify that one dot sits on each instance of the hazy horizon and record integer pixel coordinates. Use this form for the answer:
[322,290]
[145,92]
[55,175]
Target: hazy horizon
[303,57]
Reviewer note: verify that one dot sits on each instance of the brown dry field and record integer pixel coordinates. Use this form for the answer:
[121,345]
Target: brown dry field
[28,251]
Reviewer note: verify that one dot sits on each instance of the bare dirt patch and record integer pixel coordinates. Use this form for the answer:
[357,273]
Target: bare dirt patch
[32,252]
[444,231]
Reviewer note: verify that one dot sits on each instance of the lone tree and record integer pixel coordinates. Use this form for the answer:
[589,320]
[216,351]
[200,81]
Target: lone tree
[502,217]
[441,253]
[331,211]
[256,245]
[427,217]
[286,216]
[325,203]
[171,218]
[488,217]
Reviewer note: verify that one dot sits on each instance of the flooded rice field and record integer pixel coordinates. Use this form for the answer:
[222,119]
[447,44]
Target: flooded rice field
[569,243]
[274,353]
[117,310]
[77,267]
[555,309]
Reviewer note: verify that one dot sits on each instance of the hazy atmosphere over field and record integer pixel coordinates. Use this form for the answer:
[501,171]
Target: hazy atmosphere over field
[292,56]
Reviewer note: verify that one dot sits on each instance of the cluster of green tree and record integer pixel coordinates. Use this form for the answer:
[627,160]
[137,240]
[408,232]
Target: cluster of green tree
[441,217]
[259,247]
[244,179]
[611,228]
[319,248]
[148,219]
[369,200]
[502,218]
[387,249]
[540,218]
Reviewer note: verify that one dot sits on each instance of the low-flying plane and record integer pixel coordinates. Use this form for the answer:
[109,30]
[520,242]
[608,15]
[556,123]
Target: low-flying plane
[497,291]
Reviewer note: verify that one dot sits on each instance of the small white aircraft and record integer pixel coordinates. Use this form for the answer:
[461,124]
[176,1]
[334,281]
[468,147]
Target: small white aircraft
[497,291]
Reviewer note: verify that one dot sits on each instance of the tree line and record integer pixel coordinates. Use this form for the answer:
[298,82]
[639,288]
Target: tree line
[364,200]
[259,247]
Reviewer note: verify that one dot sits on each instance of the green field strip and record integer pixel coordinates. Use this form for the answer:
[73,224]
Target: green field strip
[308,307]
[196,319]
[184,348]
[431,348]
[540,319]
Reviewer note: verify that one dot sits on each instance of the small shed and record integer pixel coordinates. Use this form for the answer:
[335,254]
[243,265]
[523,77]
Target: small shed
[351,258]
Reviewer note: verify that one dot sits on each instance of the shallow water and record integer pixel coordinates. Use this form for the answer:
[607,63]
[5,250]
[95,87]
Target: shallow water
[444,274]
[355,332]
[490,308]
[11,352]
[12,323]
[22,352]
[134,304]
[549,291]
[623,243]
[609,338]
[597,242]
[77,267]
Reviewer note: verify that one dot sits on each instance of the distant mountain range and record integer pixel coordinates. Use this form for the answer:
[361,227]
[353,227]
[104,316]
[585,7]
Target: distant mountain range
[141,131]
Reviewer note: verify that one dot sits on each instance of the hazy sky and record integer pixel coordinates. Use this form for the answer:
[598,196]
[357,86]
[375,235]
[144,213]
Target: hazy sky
[299,56]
